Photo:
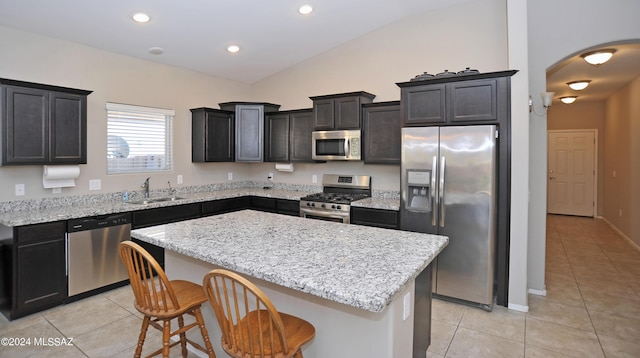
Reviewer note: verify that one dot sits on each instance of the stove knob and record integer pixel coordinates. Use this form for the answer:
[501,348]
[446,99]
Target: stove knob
[339,207]
[312,204]
[324,206]
[333,206]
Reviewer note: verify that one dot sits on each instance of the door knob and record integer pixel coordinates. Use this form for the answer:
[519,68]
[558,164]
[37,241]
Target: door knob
[551,178]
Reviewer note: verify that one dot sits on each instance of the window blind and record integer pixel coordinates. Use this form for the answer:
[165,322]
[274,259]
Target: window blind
[139,139]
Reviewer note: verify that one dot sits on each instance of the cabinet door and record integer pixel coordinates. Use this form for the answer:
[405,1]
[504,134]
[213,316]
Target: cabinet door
[249,133]
[40,276]
[323,114]
[423,105]
[300,128]
[473,101]
[225,205]
[263,204]
[25,126]
[374,217]
[382,134]
[288,207]
[219,137]
[347,112]
[169,214]
[68,128]
[277,138]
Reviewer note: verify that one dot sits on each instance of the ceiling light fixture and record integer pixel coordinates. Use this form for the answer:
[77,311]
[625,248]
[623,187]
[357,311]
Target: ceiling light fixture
[579,85]
[156,50]
[305,9]
[547,98]
[233,48]
[598,57]
[141,17]
[568,99]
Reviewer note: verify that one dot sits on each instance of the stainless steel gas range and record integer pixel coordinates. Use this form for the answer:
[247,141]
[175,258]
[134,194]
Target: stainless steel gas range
[334,202]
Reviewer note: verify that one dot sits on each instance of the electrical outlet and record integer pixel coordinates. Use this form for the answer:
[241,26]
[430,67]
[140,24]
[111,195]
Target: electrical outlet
[95,184]
[19,189]
[314,179]
[230,176]
[180,179]
[270,176]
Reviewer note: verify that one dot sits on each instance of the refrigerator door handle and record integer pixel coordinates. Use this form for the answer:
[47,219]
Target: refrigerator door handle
[442,211]
[432,190]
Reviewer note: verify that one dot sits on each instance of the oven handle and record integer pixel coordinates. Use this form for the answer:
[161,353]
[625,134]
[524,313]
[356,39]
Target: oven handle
[304,212]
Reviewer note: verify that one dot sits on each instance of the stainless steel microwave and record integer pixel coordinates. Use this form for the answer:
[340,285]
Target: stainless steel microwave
[336,145]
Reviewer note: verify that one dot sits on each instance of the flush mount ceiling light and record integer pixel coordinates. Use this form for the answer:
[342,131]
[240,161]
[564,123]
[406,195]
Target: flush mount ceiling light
[233,49]
[305,9]
[579,85]
[598,57]
[141,17]
[156,50]
[568,99]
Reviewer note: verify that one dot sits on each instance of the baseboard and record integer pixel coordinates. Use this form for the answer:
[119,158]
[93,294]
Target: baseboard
[513,306]
[633,243]
[537,292]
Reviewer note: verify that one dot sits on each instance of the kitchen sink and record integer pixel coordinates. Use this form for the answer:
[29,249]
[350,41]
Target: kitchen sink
[155,200]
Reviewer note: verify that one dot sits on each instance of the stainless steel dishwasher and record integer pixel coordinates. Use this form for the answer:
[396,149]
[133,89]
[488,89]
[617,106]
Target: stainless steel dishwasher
[92,252]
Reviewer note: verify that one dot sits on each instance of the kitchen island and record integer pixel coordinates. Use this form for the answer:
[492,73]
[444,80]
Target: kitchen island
[366,290]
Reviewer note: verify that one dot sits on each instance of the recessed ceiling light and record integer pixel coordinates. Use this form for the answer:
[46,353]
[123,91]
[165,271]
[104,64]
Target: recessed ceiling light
[141,17]
[579,85]
[156,50]
[305,9]
[568,99]
[598,57]
[233,48]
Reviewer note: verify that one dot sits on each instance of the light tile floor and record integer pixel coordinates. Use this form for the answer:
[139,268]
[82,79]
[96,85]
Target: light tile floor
[592,309]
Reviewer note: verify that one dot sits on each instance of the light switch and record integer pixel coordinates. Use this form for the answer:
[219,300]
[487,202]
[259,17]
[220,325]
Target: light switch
[230,176]
[180,179]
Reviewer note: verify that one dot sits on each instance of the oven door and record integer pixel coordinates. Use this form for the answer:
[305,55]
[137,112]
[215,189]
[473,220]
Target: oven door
[340,217]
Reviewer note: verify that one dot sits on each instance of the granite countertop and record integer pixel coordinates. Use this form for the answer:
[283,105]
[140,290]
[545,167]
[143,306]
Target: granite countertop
[360,266]
[37,212]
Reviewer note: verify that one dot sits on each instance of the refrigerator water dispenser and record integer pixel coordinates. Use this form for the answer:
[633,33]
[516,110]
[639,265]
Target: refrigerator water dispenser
[418,190]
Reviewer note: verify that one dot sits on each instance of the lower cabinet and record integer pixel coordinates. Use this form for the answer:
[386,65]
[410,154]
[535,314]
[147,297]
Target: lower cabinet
[39,270]
[387,219]
[169,214]
[263,204]
[288,207]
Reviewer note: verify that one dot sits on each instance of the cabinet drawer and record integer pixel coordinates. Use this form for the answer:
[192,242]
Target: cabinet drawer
[263,204]
[158,216]
[40,232]
[225,205]
[375,217]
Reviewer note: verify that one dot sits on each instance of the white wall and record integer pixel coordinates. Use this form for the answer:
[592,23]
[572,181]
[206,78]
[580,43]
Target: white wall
[557,30]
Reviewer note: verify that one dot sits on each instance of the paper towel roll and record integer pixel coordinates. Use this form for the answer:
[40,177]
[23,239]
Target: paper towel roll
[60,176]
[284,167]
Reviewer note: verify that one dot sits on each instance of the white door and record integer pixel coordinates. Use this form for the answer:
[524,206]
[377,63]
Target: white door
[571,172]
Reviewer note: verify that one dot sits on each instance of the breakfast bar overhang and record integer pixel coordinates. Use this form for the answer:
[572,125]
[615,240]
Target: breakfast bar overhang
[366,290]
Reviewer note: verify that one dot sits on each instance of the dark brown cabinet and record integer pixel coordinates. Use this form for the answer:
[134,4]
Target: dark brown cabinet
[43,124]
[212,135]
[467,99]
[387,219]
[288,136]
[39,270]
[249,123]
[381,132]
[225,205]
[339,111]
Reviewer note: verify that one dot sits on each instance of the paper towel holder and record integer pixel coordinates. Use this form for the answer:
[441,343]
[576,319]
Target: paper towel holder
[284,167]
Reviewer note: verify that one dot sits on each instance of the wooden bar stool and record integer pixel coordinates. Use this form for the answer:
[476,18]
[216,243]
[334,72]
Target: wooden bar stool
[159,299]
[251,326]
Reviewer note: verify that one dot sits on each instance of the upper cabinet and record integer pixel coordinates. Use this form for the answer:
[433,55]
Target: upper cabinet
[42,124]
[381,132]
[339,111]
[466,99]
[249,123]
[288,136]
[212,135]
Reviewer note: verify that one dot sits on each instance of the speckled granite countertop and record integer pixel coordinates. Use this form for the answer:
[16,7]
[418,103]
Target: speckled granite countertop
[35,211]
[360,266]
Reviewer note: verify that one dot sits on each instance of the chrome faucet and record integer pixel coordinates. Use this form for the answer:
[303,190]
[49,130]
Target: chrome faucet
[145,186]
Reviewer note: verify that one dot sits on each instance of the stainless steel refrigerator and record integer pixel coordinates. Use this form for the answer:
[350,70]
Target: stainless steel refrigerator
[448,187]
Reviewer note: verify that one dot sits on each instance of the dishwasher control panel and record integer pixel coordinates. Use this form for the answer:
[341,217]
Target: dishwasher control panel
[98,222]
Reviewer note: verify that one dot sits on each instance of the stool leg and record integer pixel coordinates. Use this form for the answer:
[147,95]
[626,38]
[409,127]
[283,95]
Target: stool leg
[203,330]
[166,335]
[143,334]
[183,336]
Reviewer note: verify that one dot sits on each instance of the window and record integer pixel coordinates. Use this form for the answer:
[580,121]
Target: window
[139,139]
